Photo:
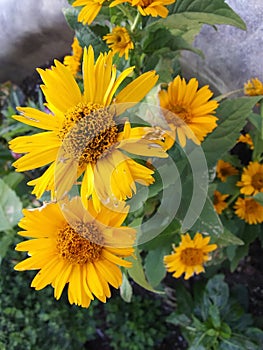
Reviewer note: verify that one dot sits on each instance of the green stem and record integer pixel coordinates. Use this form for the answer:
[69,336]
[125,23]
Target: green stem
[233,198]
[222,97]
[126,13]
[136,21]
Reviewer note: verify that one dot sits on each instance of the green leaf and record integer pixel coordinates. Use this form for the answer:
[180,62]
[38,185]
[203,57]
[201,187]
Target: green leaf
[227,238]
[259,198]
[179,319]
[13,179]
[188,12]
[126,289]
[154,266]
[217,290]
[137,273]
[232,116]
[6,240]
[85,34]
[215,316]
[10,207]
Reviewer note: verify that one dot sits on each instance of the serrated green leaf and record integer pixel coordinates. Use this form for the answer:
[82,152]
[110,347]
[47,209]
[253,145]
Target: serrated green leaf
[232,116]
[217,291]
[185,12]
[137,273]
[215,316]
[179,319]
[10,207]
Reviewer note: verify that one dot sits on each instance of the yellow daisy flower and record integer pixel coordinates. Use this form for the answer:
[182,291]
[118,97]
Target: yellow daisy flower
[190,256]
[73,61]
[188,113]
[90,10]
[83,135]
[119,41]
[225,169]
[253,87]
[219,202]
[249,210]
[251,179]
[85,254]
[246,139]
[152,8]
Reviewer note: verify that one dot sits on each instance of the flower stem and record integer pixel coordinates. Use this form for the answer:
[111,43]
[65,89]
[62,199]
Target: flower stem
[136,21]
[222,97]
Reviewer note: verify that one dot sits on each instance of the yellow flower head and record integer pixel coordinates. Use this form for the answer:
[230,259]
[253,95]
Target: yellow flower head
[190,256]
[152,8]
[85,253]
[73,61]
[90,10]
[252,179]
[249,210]
[119,41]
[225,169]
[253,87]
[219,202]
[83,136]
[189,113]
[246,139]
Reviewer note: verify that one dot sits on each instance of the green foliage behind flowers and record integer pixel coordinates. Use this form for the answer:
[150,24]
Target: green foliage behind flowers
[213,319]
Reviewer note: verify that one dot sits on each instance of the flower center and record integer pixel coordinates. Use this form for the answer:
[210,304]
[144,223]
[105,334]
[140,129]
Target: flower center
[77,247]
[257,181]
[145,3]
[181,113]
[192,256]
[250,206]
[88,133]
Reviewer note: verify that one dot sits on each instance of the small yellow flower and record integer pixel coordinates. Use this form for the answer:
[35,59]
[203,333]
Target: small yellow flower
[190,256]
[246,139]
[219,202]
[84,253]
[188,111]
[152,8]
[225,169]
[253,87]
[249,210]
[73,61]
[251,179]
[119,41]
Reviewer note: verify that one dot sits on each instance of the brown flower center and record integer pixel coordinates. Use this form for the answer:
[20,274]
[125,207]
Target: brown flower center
[89,132]
[192,256]
[77,245]
[179,116]
[257,181]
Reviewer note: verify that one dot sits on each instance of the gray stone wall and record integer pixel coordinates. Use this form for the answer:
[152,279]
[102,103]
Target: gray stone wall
[232,56]
[32,32]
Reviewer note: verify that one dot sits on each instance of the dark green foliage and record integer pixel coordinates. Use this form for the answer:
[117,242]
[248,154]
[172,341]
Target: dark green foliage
[138,325]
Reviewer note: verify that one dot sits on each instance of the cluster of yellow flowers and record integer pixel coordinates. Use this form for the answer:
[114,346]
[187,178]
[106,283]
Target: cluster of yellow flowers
[82,241]
[251,183]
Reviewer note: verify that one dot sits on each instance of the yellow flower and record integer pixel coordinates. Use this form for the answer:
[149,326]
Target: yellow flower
[90,10]
[249,210]
[251,179]
[83,135]
[253,87]
[225,169]
[246,139]
[84,254]
[119,41]
[152,8]
[219,202]
[73,61]
[190,256]
[188,113]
